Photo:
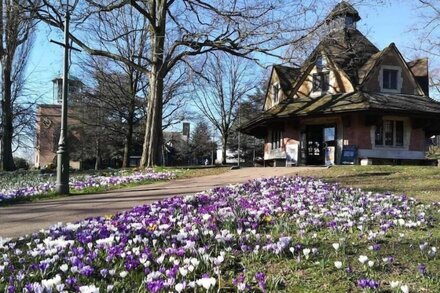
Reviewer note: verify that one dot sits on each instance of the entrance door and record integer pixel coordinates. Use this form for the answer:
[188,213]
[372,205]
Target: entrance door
[314,149]
[318,138]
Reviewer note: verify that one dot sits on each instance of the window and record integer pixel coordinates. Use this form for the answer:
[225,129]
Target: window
[321,82]
[389,133]
[389,79]
[320,62]
[276,139]
[275,92]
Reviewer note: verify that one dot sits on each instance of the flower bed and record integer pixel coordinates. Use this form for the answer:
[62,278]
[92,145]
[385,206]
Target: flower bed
[33,186]
[291,234]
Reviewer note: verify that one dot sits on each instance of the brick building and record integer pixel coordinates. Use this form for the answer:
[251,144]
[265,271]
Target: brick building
[348,103]
[48,125]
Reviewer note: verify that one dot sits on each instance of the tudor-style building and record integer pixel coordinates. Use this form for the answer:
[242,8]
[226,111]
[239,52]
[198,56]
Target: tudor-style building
[349,101]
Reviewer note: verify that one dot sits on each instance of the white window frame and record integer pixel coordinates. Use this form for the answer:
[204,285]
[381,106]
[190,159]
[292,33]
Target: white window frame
[406,134]
[399,79]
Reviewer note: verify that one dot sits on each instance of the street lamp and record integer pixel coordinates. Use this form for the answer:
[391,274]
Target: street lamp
[62,186]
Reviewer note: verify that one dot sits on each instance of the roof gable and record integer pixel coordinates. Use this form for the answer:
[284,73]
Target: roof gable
[370,70]
[286,77]
[338,79]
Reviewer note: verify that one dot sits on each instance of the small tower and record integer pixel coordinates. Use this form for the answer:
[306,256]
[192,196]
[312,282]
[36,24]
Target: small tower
[75,90]
[344,15]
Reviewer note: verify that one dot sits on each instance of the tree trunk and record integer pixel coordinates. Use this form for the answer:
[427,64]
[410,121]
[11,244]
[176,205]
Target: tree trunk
[128,143]
[224,147]
[7,160]
[151,153]
[98,159]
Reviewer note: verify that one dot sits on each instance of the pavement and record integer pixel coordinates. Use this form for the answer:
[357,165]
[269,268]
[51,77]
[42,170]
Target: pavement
[21,219]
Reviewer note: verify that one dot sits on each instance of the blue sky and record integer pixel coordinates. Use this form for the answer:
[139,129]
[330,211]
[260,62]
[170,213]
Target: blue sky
[381,24]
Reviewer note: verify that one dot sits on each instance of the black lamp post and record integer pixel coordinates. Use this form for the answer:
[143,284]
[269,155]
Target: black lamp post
[62,186]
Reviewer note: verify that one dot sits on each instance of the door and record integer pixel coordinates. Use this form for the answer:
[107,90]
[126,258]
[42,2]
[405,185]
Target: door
[315,146]
[320,141]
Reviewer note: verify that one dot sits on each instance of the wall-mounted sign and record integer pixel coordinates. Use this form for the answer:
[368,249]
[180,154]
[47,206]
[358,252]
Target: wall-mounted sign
[349,155]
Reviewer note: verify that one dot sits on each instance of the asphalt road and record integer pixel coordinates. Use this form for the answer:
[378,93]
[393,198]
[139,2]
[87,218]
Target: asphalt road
[22,219]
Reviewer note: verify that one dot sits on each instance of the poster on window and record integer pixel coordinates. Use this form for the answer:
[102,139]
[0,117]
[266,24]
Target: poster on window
[291,154]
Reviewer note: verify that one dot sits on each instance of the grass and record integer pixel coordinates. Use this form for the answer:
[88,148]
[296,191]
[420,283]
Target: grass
[421,182]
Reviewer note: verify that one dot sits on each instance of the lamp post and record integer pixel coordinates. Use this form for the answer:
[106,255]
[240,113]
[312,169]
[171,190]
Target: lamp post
[62,186]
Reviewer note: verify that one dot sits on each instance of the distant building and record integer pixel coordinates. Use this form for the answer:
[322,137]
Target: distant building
[48,124]
[175,145]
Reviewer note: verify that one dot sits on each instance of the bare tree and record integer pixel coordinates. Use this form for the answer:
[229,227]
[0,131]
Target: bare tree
[428,41]
[16,31]
[224,84]
[118,95]
[181,29]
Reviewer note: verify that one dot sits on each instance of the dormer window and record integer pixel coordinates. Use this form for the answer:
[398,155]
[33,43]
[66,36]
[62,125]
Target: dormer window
[321,81]
[390,79]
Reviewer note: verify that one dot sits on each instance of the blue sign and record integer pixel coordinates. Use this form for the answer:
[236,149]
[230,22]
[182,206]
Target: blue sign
[349,155]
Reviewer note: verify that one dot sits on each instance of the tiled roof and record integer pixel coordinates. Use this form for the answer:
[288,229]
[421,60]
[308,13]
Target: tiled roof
[349,102]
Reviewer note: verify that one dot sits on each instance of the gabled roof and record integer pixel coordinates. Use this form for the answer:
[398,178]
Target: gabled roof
[349,49]
[375,59]
[287,76]
[344,8]
[343,103]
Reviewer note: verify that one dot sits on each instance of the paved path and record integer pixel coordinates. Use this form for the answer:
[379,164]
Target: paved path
[26,218]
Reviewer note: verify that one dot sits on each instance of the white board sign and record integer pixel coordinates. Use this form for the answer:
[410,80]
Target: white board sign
[291,154]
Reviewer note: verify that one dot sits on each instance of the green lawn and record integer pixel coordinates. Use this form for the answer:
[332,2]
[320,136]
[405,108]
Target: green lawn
[422,182]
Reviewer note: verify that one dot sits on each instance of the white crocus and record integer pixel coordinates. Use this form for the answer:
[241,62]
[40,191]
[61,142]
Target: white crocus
[179,287]
[404,288]
[306,252]
[370,263]
[394,284]
[363,258]
[206,283]
[123,274]
[89,289]
[336,246]
[64,268]
[338,264]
